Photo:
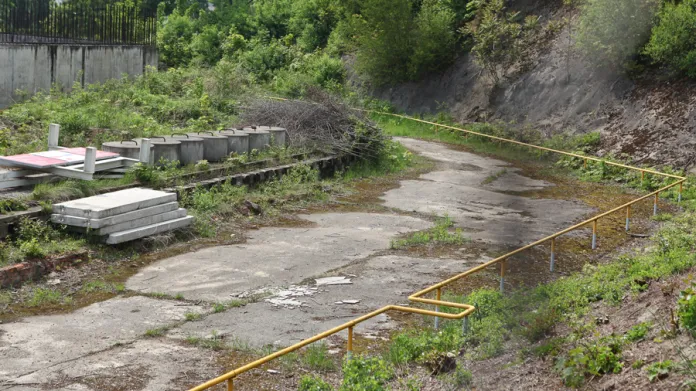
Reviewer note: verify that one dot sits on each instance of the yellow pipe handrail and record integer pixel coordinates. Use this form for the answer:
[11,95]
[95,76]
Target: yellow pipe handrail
[438,302]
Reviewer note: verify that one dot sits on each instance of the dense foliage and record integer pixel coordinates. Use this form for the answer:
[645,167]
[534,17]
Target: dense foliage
[392,40]
[612,31]
[673,39]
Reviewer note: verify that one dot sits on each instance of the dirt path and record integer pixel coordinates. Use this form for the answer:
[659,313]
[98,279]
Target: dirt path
[103,346]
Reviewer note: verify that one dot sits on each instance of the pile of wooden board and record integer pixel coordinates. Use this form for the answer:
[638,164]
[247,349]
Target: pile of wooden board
[123,215]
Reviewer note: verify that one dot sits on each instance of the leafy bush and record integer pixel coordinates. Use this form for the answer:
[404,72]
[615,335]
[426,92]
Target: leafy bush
[686,309]
[365,374]
[659,370]
[385,40]
[11,205]
[434,39]
[637,332]
[313,383]
[32,249]
[673,39]
[594,358]
[602,21]
[499,41]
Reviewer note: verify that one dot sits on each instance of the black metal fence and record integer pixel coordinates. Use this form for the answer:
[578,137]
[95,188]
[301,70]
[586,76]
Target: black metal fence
[36,21]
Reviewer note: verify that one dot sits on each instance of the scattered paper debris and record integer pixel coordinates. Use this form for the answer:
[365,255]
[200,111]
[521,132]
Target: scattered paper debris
[333,281]
[272,371]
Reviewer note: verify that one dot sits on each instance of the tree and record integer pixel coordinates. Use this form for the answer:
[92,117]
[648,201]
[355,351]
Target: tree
[673,39]
[384,40]
[434,40]
[610,32]
[499,41]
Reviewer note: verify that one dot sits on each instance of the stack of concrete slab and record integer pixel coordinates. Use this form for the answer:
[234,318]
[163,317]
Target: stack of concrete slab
[123,215]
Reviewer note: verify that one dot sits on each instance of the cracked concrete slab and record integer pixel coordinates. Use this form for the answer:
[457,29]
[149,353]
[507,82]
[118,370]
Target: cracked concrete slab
[377,282]
[36,344]
[481,208]
[149,364]
[275,257]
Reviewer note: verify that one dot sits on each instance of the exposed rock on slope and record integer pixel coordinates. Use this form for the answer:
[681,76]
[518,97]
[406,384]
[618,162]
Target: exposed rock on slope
[653,120]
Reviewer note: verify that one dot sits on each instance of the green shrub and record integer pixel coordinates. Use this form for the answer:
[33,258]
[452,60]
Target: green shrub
[637,332]
[313,383]
[673,39]
[594,358]
[12,205]
[602,21]
[365,374]
[174,37]
[32,249]
[385,40]
[316,357]
[686,309]
[499,41]
[434,39]
[659,370]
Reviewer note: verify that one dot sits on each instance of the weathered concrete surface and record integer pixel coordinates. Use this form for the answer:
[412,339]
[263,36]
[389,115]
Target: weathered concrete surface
[462,191]
[31,347]
[152,365]
[376,282]
[274,257]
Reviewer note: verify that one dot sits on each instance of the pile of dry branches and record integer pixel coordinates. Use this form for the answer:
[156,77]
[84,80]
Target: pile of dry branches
[322,122]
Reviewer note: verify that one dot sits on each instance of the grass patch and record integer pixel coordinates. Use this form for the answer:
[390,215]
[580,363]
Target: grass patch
[192,316]
[493,177]
[12,205]
[156,332]
[44,296]
[214,342]
[440,234]
[316,357]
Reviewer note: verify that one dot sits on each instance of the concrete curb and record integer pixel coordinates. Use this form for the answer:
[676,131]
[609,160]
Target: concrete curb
[19,273]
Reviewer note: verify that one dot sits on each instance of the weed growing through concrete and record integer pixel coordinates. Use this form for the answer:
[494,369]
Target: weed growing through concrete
[192,316]
[214,342]
[156,332]
[440,234]
[493,177]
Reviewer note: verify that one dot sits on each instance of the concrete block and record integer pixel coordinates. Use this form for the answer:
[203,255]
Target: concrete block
[111,204]
[113,220]
[137,233]
[143,222]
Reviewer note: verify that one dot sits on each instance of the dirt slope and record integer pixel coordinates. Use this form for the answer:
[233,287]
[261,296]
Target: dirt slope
[653,119]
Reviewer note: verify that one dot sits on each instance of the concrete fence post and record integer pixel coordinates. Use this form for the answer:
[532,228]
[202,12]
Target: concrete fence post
[53,136]
[144,156]
[90,160]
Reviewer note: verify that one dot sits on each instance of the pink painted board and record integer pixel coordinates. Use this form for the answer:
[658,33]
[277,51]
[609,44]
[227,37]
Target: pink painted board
[48,159]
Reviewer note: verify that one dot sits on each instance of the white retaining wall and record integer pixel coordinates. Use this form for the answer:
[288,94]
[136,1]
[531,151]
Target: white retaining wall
[35,67]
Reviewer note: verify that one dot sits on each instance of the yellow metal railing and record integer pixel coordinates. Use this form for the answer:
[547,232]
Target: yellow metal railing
[467,309]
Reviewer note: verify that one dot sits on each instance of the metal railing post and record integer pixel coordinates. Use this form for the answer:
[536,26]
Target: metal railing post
[553,254]
[230,385]
[437,308]
[594,234]
[657,195]
[350,342]
[465,325]
[681,188]
[502,275]
[628,217]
